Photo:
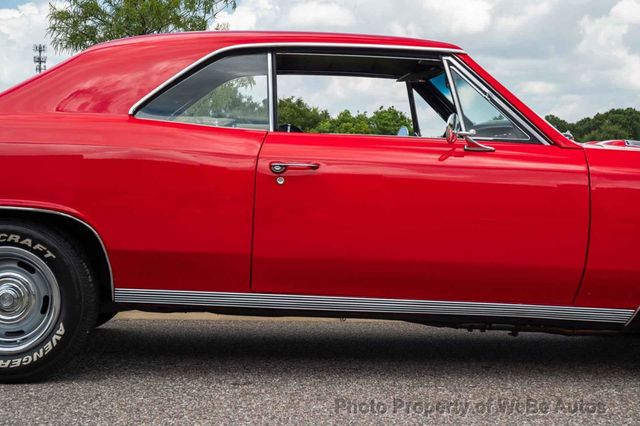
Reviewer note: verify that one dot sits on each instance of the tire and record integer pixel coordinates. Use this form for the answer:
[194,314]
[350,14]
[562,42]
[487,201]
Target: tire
[104,318]
[48,301]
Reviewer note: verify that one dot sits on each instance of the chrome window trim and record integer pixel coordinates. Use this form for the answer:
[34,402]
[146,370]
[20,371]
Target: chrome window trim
[485,90]
[55,212]
[271,91]
[206,126]
[359,55]
[371,305]
[454,93]
[180,74]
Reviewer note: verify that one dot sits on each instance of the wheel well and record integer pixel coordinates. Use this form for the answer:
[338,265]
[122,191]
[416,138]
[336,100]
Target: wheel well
[82,234]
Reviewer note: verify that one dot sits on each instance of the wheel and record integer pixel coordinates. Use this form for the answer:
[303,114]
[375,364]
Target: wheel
[104,318]
[48,301]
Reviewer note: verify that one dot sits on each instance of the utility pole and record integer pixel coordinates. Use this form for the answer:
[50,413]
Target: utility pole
[39,59]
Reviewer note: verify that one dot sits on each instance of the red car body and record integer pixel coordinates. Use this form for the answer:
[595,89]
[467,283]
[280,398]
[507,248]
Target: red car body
[186,215]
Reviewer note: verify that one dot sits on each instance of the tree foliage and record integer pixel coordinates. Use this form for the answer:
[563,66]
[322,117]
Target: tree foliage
[231,100]
[296,111]
[614,124]
[384,121]
[79,24]
[387,121]
[346,123]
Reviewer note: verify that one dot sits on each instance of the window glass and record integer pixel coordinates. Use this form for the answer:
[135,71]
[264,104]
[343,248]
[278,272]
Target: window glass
[480,115]
[431,124]
[361,94]
[441,83]
[343,105]
[231,92]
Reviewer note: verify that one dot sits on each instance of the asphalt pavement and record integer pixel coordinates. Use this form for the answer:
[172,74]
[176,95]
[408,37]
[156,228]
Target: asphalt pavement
[227,371]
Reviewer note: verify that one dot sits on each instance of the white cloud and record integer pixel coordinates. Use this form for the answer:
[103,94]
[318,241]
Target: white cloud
[537,88]
[604,43]
[627,11]
[570,57]
[313,13]
[525,16]
[248,15]
[462,16]
[20,29]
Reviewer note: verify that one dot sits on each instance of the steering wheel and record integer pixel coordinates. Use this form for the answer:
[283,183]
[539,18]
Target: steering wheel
[289,128]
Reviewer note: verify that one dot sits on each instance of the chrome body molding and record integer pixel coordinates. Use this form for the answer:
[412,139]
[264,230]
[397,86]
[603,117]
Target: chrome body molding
[206,58]
[85,224]
[633,317]
[370,305]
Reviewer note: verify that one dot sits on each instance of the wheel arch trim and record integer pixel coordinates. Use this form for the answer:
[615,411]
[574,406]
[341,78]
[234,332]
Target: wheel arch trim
[77,220]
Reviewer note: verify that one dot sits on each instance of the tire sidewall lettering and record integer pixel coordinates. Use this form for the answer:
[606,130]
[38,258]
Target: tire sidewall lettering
[56,338]
[35,355]
[25,242]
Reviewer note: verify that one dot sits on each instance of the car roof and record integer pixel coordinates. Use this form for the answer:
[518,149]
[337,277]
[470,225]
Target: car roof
[114,76]
[266,37]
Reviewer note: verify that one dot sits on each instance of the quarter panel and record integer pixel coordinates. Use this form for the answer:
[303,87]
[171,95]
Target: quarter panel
[172,202]
[612,277]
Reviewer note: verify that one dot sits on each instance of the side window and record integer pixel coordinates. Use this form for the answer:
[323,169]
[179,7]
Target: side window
[231,92]
[431,124]
[436,88]
[351,94]
[343,104]
[480,115]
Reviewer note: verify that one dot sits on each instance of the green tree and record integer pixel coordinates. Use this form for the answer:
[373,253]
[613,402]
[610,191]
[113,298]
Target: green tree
[346,123]
[387,121]
[558,123]
[384,121]
[613,124]
[231,100]
[295,111]
[78,24]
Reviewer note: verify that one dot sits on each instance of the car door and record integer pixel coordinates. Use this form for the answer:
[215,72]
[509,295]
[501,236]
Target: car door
[419,218]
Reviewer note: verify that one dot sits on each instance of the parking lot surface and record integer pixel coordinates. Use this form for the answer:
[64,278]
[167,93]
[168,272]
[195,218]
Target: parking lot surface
[332,372]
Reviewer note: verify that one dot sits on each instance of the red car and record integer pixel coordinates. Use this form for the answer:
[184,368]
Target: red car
[301,174]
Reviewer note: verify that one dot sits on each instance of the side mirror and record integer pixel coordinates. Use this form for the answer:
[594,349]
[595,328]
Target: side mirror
[453,127]
[453,132]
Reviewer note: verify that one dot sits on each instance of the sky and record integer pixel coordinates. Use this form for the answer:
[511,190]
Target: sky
[571,58]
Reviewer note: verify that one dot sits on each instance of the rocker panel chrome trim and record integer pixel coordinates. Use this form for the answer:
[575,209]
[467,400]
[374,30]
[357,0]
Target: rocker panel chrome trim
[633,317]
[372,305]
[55,212]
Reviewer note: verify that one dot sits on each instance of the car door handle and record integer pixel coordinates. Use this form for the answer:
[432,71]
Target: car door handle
[279,168]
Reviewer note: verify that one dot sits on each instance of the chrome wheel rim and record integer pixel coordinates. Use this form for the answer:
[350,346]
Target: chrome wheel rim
[29,300]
